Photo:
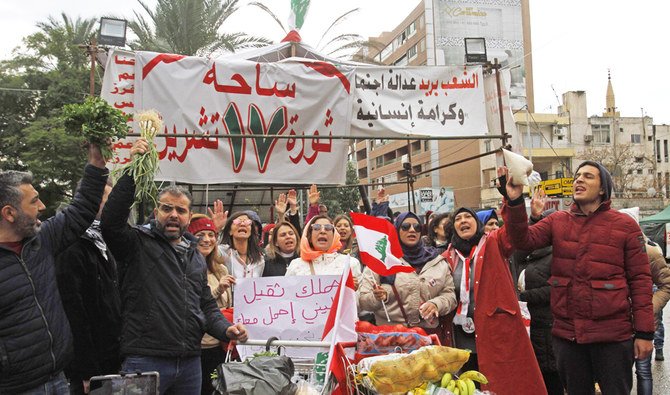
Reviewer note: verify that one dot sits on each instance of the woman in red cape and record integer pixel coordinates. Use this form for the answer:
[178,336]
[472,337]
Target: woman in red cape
[487,319]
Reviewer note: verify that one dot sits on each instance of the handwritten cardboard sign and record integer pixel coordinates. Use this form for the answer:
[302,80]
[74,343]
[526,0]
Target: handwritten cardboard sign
[290,308]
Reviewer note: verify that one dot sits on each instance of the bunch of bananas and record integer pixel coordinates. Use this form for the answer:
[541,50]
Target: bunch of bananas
[464,384]
[408,371]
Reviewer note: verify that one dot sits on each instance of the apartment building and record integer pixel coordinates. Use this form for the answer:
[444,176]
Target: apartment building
[440,168]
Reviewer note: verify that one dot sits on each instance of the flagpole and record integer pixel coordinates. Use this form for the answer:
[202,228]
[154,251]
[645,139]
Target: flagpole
[374,285]
[333,338]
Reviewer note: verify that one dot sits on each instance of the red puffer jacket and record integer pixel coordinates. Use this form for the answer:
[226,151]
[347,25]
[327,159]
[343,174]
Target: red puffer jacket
[599,273]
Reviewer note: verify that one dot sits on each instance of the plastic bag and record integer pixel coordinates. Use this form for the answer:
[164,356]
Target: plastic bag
[259,376]
[403,372]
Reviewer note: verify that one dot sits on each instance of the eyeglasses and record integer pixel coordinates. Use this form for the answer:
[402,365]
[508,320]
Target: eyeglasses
[240,221]
[406,225]
[168,208]
[326,227]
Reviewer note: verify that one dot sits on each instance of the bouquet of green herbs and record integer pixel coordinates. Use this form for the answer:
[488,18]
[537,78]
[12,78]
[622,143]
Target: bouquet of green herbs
[144,166]
[96,122]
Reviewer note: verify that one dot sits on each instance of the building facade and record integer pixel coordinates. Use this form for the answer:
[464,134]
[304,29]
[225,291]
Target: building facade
[441,171]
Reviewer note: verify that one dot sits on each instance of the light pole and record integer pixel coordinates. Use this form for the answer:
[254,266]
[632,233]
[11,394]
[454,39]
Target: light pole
[113,33]
[475,52]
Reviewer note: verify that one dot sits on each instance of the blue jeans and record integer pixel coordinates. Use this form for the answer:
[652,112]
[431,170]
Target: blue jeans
[659,334]
[179,376]
[645,384]
[56,386]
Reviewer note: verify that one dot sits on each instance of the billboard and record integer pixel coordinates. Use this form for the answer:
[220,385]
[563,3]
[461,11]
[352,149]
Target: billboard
[439,200]
[498,21]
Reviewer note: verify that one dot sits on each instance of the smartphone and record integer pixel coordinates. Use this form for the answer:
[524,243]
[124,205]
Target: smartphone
[126,384]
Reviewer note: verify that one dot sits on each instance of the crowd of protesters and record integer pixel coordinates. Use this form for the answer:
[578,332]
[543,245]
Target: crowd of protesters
[84,293]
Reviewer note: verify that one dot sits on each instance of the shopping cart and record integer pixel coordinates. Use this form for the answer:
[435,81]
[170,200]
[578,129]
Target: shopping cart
[348,366]
[309,369]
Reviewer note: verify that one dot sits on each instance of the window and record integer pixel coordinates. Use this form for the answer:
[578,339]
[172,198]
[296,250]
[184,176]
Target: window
[402,61]
[639,171]
[411,53]
[379,161]
[630,171]
[411,29]
[421,21]
[635,138]
[601,133]
[665,150]
[535,140]
[620,130]
[650,171]
[658,151]
[422,45]
[426,145]
[386,52]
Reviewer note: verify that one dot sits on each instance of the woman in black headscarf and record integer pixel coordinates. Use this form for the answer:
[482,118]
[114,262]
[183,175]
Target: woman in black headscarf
[488,320]
[417,297]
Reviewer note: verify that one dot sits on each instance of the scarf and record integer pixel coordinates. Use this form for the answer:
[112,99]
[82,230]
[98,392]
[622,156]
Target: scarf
[308,254]
[417,255]
[465,246]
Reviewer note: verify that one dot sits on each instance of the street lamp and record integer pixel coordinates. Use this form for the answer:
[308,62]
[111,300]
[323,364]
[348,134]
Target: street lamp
[112,32]
[475,52]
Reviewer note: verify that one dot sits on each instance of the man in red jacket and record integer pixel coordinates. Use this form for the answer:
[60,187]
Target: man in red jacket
[600,282]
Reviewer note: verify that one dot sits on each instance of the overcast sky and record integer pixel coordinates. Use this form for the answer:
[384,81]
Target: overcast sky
[575,42]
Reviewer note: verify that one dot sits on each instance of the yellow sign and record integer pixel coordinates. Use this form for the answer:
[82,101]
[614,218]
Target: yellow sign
[557,187]
[552,187]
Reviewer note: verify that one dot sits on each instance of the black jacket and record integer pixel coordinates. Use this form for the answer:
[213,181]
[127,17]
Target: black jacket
[35,338]
[88,286]
[278,265]
[538,271]
[167,305]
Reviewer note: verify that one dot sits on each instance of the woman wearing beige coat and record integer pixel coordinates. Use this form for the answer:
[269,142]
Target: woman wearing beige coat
[418,298]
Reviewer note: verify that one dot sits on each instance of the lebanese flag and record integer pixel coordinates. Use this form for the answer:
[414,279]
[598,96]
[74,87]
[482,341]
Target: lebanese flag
[341,325]
[379,248]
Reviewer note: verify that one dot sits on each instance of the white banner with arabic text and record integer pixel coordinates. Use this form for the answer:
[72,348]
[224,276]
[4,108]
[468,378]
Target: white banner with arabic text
[432,101]
[289,308]
[249,103]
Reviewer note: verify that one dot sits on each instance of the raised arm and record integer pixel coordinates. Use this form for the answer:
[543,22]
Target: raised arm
[114,221]
[65,227]
[520,235]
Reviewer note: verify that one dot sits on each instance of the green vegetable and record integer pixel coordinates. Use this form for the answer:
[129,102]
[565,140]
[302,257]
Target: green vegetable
[96,122]
[144,166]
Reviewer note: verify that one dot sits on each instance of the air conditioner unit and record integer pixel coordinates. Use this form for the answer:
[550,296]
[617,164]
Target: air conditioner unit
[588,138]
[559,131]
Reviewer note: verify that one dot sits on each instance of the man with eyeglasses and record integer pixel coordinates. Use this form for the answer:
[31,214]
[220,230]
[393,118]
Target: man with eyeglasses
[167,304]
[35,338]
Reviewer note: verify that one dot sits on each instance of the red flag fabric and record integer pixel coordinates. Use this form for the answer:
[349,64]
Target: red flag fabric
[378,244]
[341,324]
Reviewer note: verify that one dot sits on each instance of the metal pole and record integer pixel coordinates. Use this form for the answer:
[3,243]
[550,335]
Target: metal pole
[410,178]
[530,141]
[496,67]
[92,50]
[285,137]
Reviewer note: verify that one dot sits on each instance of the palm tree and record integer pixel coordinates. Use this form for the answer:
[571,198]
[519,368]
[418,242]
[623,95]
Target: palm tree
[54,46]
[342,46]
[189,27]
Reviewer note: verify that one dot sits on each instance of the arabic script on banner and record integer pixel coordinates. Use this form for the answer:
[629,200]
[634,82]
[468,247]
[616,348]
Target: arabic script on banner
[436,101]
[290,308]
